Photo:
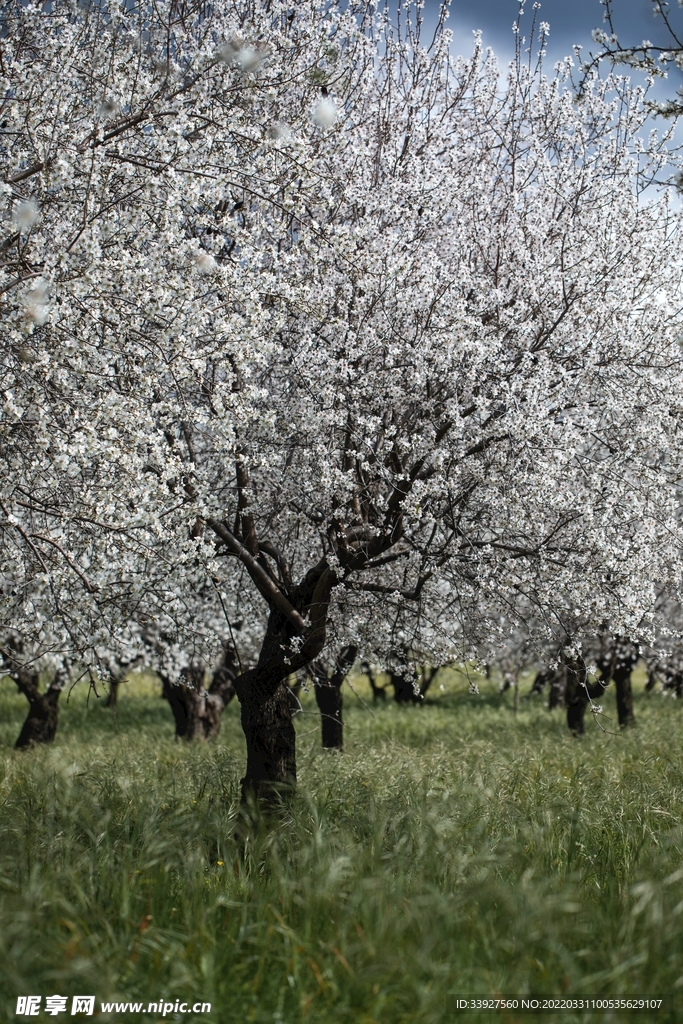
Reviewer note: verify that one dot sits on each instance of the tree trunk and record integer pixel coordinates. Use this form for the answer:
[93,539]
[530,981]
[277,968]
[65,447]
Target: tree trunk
[330,701]
[113,695]
[40,725]
[427,677]
[622,681]
[404,692]
[576,696]
[378,692]
[617,664]
[328,695]
[196,710]
[579,693]
[265,698]
[271,741]
[173,693]
[557,689]
[543,677]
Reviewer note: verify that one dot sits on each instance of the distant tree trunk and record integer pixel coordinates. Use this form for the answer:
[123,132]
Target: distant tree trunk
[622,681]
[427,677]
[40,725]
[330,701]
[617,664]
[328,695]
[404,689]
[378,692]
[625,658]
[196,710]
[543,677]
[576,694]
[294,701]
[113,694]
[173,694]
[651,680]
[579,693]
[557,689]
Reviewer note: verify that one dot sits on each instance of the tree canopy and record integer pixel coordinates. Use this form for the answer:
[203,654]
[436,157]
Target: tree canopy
[309,322]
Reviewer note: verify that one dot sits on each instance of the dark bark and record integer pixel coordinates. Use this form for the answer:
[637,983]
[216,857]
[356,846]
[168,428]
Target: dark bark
[404,690]
[197,711]
[543,677]
[617,664]
[173,694]
[328,695]
[330,701]
[576,695]
[557,689]
[579,693]
[378,692]
[263,693]
[113,694]
[269,733]
[40,725]
[427,677]
[626,656]
[622,681]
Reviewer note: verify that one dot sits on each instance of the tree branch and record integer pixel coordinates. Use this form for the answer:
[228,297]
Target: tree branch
[265,585]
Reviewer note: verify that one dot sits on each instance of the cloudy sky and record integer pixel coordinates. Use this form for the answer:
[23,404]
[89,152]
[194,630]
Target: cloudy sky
[571,21]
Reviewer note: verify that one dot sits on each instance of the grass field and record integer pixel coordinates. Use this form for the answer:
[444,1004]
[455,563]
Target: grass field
[452,849]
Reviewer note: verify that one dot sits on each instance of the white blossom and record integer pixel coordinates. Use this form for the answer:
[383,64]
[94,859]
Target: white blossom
[25,214]
[248,59]
[325,113]
[206,263]
[438,356]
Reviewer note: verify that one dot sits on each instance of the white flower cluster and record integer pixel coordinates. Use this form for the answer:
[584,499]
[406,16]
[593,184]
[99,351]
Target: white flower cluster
[432,348]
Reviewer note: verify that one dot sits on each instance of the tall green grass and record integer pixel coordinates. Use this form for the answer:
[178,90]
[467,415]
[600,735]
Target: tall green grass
[452,849]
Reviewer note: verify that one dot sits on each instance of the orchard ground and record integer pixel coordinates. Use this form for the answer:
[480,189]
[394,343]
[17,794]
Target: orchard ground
[452,849]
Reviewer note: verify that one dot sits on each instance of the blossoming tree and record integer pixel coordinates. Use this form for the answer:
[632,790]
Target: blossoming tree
[375,340]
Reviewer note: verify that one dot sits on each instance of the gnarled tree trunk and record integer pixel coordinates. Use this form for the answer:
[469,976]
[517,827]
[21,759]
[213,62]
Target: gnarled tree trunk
[40,725]
[263,693]
[269,733]
[196,710]
[42,720]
